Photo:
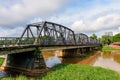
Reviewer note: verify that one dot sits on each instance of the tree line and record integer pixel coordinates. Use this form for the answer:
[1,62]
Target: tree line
[107,39]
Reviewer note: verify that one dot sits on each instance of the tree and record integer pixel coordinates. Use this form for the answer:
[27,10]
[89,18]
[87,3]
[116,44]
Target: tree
[106,39]
[94,36]
[116,38]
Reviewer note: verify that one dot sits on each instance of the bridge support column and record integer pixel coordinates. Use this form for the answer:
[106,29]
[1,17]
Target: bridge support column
[87,50]
[71,53]
[76,52]
[83,50]
[91,49]
[25,61]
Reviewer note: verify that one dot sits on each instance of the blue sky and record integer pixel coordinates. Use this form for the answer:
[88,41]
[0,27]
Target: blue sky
[86,16]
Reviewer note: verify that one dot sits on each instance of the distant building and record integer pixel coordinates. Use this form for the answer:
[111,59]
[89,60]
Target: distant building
[109,33]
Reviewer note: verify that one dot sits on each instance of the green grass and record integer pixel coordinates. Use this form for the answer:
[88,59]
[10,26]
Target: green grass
[79,72]
[109,48]
[17,78]
[1,61]
[74,72]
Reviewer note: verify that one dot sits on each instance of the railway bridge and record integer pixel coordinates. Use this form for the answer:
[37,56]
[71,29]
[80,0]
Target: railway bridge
[25,52]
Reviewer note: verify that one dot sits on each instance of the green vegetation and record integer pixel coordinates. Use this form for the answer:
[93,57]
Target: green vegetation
[74,72]
[107,39]
[17,78]
[1,61]
[110,48]
[94,36]
[79,72]
[37,52]
[116,38]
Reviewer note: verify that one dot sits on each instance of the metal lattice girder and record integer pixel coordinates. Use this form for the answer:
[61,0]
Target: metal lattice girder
[81,39]
[93,41]
[47,33]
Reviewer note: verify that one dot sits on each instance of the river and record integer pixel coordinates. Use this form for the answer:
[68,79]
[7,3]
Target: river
[105,59]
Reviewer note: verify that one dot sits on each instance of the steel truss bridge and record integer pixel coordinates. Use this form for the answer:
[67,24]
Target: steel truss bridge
[47,34]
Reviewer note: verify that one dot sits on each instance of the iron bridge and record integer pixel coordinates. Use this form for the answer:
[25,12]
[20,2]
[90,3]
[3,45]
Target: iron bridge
[47,34]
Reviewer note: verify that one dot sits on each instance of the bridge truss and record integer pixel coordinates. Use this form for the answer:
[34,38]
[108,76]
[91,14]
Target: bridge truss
[48,33]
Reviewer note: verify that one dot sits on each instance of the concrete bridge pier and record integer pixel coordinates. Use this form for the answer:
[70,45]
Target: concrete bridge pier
[76,52]
[25,62]
[84,50]
[71,52]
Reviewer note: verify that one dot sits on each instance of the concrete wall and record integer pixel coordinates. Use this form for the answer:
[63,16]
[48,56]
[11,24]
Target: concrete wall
[25,60]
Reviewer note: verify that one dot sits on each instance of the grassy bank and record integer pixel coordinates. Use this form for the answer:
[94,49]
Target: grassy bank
[110,48]
[1,61]
[75,72]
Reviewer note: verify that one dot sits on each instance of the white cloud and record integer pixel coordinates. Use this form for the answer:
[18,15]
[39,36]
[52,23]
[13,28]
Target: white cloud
[78,26]
[108,21]
[16,32]
[19,13]
[94,20]
[28,9]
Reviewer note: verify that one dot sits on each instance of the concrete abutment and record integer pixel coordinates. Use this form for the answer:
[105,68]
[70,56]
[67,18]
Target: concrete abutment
[24,62]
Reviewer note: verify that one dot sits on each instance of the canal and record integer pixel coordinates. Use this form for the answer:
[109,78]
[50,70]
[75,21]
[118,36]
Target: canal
[105,59]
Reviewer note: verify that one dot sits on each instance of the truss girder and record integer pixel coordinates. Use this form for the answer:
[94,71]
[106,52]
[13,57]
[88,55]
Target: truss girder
[47,34]
[83,39]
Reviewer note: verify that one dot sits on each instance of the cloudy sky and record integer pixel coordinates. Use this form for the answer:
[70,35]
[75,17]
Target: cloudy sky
[86,16]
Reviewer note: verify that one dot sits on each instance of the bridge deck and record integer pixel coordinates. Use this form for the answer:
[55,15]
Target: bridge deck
[45,47]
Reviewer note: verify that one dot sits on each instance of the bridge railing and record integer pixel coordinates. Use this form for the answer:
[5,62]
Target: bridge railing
[83,39]
[8,41]
[44,40]
[25,41]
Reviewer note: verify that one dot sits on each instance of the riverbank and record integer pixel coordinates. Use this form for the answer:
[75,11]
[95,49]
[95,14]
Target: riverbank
[107,48]
[74,72]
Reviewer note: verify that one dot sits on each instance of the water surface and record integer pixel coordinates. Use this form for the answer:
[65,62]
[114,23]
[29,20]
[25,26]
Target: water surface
[109,59]
[106,59]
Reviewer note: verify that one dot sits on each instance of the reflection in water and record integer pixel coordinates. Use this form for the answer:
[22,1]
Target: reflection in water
[3,74]
[90,60]
[106,59]
[115,55]
[106,54]
[117,58]
[52,60]
[109,59]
